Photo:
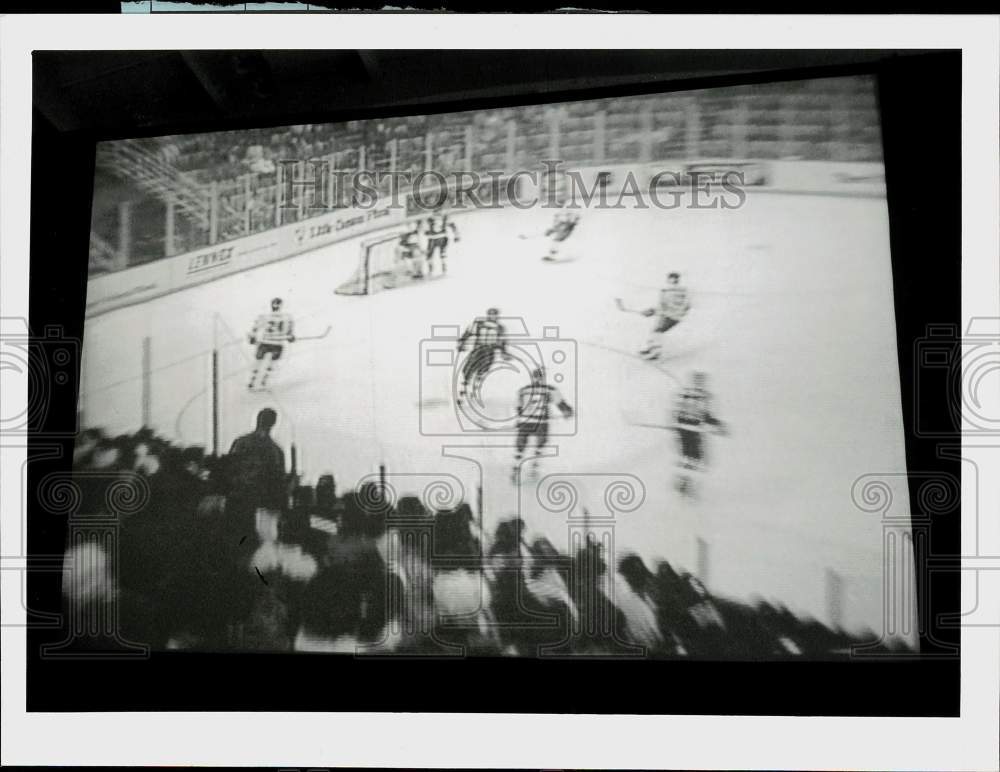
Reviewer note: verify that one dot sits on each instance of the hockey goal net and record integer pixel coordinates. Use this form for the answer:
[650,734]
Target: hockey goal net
[378,265]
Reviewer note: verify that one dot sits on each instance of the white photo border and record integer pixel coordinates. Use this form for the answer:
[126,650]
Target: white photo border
[542,741]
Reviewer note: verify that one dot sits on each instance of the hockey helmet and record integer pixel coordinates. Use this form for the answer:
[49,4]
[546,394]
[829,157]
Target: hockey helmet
[673,276]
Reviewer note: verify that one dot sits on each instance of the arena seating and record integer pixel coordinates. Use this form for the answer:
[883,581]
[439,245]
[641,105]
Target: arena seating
[832,119]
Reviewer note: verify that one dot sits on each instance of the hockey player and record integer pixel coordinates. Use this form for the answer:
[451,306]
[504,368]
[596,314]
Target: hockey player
[411,250]
[691,419]
[563,224]
[535,404]
[270,333]
[440,230]
[673,306]
[488,338]
[404,264]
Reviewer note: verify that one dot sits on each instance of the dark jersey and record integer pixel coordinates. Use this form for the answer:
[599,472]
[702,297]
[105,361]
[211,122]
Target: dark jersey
[438,227]
[536,401]
[564,224]
[693,409]
[484,333]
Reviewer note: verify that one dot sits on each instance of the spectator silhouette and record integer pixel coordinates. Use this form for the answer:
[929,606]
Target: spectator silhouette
[603,625]
[461,595]
[256,473]
[634,598]
[547,596]
[393,578]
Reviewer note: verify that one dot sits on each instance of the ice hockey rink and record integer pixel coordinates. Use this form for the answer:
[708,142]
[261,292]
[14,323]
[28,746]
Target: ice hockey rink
[792,320]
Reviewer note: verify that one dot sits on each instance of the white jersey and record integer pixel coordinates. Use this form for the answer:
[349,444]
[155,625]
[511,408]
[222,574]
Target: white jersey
[275,328]
[420,236]
[674,302]
[410,243]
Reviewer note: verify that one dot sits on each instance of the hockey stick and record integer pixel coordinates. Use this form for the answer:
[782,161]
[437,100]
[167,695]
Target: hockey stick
[622,307]
[652,426]
[316,337]
[720,429]
[717,429]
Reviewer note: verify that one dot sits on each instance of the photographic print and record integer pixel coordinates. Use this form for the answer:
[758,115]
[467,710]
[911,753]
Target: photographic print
[542,396]
[586,378]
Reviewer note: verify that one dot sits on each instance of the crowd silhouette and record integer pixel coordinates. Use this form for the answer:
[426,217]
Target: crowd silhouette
[213,555]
